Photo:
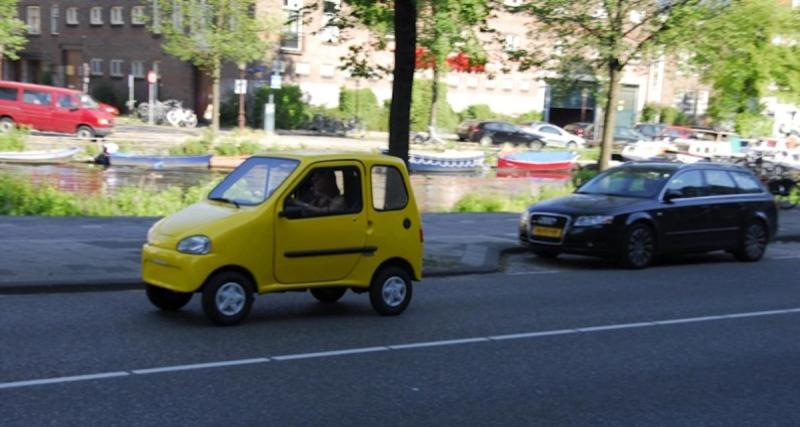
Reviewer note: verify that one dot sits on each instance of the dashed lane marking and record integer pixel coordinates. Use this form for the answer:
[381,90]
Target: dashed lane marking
[394,347]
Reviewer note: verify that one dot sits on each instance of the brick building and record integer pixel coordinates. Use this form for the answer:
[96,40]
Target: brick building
[105,41]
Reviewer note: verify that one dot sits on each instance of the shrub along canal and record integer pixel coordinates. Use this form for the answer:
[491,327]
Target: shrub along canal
[435,192]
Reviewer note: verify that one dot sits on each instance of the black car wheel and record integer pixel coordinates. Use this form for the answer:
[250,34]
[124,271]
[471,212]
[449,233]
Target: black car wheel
[166,299]
[572,145]
[486,140]
[752,243]
[227,298]
[639,247]
[328,295]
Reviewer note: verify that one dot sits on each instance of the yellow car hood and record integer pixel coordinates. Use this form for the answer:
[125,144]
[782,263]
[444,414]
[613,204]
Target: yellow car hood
[195,219]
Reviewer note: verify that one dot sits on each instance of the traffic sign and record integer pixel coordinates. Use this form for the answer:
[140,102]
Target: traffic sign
[275,81]
[240,87]
[151,77]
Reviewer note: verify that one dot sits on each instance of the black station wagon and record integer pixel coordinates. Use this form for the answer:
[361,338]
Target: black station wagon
[640,210]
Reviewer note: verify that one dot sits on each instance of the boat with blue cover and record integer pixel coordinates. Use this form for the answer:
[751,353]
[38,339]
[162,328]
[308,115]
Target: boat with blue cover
[538,160]
[159,162]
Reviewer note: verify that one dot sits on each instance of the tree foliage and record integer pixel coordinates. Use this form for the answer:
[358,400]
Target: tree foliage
[12,31]
[208,33]
[749,52]
[603,37]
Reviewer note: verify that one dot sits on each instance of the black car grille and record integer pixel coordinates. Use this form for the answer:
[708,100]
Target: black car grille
[549,222]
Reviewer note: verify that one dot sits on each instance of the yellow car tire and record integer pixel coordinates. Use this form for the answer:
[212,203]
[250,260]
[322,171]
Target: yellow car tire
[390,291]
[328,295]
[166,299]
[227,298]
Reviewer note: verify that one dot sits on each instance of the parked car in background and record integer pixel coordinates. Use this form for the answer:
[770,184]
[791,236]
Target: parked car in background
[554,136]
[622,136]
[51,109]
[496,132]
[582,129]
[463,128]
[638,211]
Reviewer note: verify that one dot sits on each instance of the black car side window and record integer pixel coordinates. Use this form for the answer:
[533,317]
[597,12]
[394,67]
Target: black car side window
[720,183]
[687,185]
[747,183]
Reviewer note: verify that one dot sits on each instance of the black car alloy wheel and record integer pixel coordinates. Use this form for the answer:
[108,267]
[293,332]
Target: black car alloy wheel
[639,248]
[753,243]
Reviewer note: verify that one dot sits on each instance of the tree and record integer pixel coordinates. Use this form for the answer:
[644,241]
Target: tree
[208,33]
[447,39]
[605,36]
[382,17]
[749,52]
[12,32]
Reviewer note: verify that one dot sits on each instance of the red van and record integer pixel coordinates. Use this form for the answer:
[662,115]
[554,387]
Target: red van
[51,109]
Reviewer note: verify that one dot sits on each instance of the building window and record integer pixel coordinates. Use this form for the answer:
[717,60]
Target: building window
[137,69]
[96,15]
[116,16]
[34,19]
[116,67]
[511,42]
[72,16]
[96,66]
[330,32]
[290,38]
[137,15]
[55,13]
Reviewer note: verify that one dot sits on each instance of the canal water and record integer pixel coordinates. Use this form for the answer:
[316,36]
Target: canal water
[435,192]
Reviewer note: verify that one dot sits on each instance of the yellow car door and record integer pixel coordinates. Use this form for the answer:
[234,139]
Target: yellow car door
[321,237]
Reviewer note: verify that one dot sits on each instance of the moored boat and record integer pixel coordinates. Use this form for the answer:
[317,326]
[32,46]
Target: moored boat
[538,160]
[227,162]
[446,161]
[159,162]
[41,156]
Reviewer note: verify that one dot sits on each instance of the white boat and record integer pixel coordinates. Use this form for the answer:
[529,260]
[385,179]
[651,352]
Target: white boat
[787,161]
[41,156]
[446,161]
[646,150]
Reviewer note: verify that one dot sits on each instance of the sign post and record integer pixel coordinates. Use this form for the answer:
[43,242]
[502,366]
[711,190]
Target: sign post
[86,71]
[131,100]
[151,90]
[240,88]
[269,107]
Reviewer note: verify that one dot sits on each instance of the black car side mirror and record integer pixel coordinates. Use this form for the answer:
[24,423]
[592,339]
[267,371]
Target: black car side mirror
[670,195]
[291,212]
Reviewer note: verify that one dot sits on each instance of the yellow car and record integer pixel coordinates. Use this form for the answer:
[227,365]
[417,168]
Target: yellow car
[294,222]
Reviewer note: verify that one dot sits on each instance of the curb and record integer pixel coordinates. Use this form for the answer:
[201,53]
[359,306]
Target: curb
[70,286]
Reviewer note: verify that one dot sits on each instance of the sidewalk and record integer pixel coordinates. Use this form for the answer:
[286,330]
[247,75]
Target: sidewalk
[41,254]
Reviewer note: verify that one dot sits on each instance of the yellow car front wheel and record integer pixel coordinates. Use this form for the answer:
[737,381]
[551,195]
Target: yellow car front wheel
[227,298]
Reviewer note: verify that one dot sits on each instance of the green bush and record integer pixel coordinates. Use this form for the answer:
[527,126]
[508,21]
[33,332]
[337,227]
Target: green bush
[290,110]
[19,197]
[13,140]
[201,145]
[484,112]
[479,202]
[232,148]
[650,113]
[363,103]
[750,125]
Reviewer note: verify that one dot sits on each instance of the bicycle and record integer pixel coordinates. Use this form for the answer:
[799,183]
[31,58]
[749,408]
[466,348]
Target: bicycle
[785,191]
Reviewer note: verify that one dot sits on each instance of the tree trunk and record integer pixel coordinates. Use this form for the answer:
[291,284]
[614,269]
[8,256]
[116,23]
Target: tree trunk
[434,100]
[610,116]
[405,31]
[215,76]
[2,57]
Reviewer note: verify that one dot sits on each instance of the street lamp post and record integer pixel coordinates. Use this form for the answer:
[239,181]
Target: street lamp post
[241,97]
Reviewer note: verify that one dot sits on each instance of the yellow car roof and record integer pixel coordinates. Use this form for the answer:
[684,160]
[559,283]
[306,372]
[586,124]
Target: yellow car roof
[318,156]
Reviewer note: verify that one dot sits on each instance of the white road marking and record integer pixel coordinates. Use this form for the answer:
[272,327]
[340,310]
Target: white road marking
[329,353]
[200,366]
[461,341]
[58,380]
[91,226]
[785,257]
[437,343]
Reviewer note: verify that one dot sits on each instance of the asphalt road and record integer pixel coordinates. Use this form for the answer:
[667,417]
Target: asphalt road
[692,341]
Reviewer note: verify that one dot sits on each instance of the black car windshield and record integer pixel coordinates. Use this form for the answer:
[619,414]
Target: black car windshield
[638,182]
[254,181]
